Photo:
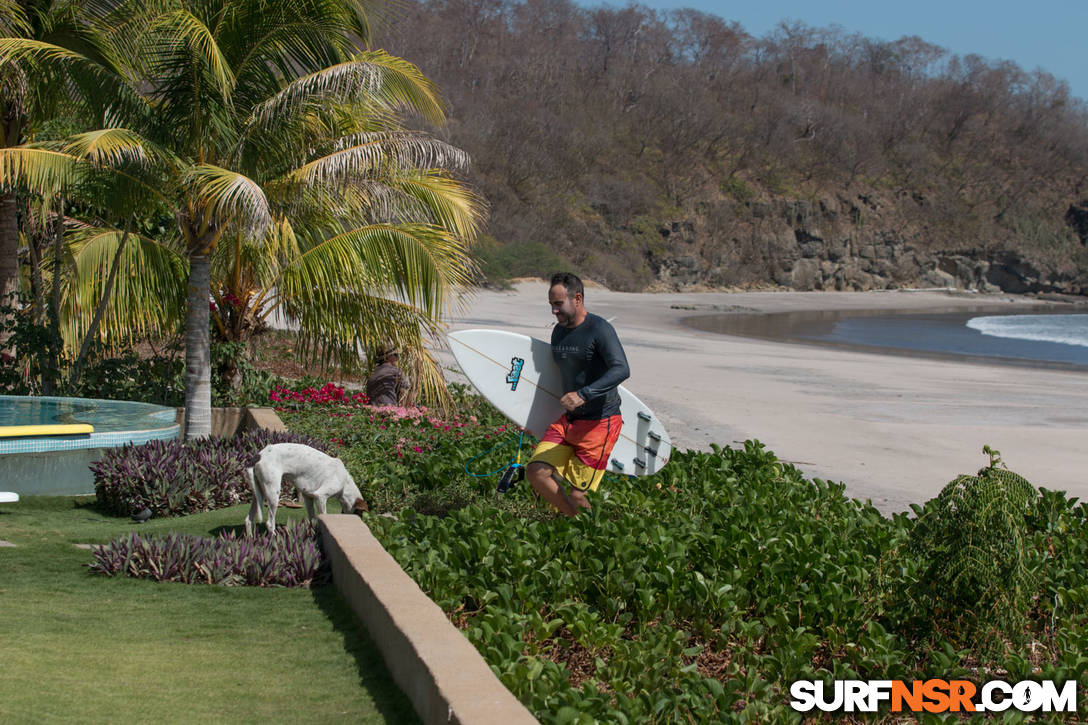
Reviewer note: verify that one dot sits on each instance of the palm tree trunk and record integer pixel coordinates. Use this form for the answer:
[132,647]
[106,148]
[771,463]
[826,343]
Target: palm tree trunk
[9,263]
[11,132]
[198,359]
[37,305]
[37,286]
[54,293]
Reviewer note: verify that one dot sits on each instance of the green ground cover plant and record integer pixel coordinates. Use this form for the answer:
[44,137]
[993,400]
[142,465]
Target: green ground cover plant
[701,593]
[704,599]
[76,646]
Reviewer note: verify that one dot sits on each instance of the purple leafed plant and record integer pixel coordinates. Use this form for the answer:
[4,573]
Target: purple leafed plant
[289,558]
[173,478]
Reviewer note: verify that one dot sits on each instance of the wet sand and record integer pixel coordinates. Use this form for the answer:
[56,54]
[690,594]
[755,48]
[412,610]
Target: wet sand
[894,428]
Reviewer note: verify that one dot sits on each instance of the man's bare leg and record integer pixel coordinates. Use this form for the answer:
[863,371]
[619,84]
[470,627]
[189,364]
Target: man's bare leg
[578,498]
[543,479]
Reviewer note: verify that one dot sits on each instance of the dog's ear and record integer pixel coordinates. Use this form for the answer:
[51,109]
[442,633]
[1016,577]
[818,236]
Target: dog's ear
[360,506]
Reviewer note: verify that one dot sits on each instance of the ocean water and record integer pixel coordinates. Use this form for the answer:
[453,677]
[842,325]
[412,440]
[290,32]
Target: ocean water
[1057,339]
[1044,339]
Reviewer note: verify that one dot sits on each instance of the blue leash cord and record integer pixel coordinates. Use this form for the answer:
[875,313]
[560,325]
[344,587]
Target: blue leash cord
[516,457]
[513,471]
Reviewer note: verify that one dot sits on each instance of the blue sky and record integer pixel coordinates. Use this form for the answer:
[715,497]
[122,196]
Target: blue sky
[1047,34]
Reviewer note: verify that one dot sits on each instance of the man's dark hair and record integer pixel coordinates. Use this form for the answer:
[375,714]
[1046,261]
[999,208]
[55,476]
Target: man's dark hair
[571,282]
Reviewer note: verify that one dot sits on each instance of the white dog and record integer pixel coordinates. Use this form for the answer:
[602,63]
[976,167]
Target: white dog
[315,475]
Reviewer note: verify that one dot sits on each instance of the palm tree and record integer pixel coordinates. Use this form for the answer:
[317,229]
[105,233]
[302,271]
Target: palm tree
[81,88]
[348,278]
[268,135]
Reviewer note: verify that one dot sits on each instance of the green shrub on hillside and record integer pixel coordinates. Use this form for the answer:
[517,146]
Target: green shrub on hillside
[499,263]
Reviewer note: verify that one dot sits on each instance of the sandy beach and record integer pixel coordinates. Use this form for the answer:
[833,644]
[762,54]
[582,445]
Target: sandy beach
[895,429]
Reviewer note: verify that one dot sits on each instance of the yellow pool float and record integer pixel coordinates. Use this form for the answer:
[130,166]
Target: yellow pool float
[14,431]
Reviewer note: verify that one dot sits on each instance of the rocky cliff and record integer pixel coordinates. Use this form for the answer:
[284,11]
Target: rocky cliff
[850,244]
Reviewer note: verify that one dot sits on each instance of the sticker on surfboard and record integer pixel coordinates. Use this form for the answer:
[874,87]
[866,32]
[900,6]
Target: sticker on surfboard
[514,376]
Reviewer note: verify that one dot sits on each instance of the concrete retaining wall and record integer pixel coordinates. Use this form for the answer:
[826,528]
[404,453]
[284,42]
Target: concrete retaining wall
[266,418]
[432,662]
[229,422]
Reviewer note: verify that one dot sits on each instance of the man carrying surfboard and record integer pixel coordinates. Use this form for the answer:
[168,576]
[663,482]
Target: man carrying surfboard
[577,446]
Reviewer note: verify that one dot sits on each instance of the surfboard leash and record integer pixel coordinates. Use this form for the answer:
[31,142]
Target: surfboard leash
[512,471]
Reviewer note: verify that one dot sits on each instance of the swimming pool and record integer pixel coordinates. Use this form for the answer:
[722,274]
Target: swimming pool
[57,465]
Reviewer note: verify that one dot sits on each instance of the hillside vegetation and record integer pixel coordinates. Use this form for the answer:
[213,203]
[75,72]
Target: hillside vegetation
[674,150]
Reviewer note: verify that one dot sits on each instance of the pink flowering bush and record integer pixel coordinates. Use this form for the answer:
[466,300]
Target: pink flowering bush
[328,393]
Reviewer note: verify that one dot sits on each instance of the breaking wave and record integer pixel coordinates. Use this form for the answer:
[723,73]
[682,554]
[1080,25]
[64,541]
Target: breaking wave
[1064,329]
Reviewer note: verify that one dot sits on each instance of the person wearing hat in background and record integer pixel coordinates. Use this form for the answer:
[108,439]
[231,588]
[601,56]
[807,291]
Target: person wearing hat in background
[387,383]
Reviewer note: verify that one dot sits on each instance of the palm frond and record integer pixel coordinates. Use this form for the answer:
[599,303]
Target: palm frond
[446,202]
[41,170]
[277,248]
[426,373]
[359,157]
[404,86]
[13,20]
[284,39]
[109,147]
[361,13]
[362,323]
[359,321]
[149,303]
[376,76]
[115,161]
[181,29]
[29,50]
[95,82]
[229,198]
[412,262]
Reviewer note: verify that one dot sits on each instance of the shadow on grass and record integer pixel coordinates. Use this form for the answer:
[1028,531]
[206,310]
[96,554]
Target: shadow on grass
[390,701]
[239,530]
[90,503]
[259,529]
[374,677]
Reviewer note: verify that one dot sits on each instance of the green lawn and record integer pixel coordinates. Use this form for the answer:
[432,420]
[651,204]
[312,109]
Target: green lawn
[75,646]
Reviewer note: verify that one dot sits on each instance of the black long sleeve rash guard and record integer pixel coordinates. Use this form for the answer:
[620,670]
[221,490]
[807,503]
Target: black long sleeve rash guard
[593,364]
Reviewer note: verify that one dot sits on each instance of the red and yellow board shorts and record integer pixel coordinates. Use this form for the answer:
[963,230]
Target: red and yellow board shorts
[578,450]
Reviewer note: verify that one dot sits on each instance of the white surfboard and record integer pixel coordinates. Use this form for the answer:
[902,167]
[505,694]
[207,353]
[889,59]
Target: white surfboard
[518,376]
